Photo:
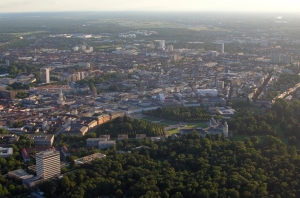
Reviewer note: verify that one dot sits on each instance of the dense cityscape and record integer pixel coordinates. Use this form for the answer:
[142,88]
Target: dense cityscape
[135,105]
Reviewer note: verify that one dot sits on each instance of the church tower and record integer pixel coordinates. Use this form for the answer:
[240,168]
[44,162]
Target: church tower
[61,99]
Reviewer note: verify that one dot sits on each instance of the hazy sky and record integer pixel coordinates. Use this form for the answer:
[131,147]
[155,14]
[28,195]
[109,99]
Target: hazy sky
[149,5]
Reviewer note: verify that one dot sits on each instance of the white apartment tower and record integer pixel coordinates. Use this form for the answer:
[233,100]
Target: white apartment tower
[220,48]
[47,164]
[225,129]
[275,58]
[45,75]
[162,44]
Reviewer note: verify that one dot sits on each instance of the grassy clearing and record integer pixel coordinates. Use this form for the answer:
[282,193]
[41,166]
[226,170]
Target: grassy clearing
[169,122]
[195,125]
[151,118]
[172,131]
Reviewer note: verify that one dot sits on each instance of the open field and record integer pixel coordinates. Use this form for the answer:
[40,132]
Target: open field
[168,122]
[172,131]
[151,118]
[195,125]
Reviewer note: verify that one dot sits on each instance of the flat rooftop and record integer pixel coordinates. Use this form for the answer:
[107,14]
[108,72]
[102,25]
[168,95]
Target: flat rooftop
[89,158]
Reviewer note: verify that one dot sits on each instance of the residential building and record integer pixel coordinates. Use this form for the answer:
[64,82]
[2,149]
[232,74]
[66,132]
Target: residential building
[106,144]
[5,152]
[65,151]
[94,141]
[45,140]
[89,158]
[220,48]
[45,75]
[275,58]
[48,164]
[122,136]
[140,136]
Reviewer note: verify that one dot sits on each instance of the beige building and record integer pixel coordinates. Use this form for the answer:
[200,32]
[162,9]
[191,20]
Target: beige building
[48,164]
[42,140]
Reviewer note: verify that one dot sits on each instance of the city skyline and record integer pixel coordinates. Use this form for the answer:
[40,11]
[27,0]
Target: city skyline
[288,6]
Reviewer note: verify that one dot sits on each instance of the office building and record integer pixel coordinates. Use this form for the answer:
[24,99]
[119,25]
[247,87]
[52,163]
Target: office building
[7,63]
[220,48]
[45,75]
[142,86]
[170,48]
[264,44]
[106,144]
[220,85]
[95,93]
[162,44]
[286,59]
[82,75]
[41,140]
[6,152]
[204,92]
[275,58]
[48,164]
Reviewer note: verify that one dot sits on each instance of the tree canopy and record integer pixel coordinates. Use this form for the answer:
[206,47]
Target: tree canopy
[188,167]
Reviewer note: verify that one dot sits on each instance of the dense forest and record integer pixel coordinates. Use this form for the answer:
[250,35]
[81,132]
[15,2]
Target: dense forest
[131,127]
[181,113]
[283,115]
[188,167]
[286,81]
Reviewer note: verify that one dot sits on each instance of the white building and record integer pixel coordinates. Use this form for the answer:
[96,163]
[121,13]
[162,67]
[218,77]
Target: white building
[264,43]
[203,92]
[5,152]
[162,44]
[48,164]
[45,75]
[106,144]
[275,58]
[220,48]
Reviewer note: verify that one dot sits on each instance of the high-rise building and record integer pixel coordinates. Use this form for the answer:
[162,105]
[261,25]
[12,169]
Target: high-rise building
[7,63]
[264,43]
[82,75]
[220,48]
[286,59]
[275,58]
[79,76]
[162,44]
[48,164]
[220,85]
[142,86]
[45,75]
[95,94]
[170,48]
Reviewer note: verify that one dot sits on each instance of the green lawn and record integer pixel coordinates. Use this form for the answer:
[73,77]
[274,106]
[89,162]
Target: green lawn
[195,125]
[169,122]
[172,131]
[151,118]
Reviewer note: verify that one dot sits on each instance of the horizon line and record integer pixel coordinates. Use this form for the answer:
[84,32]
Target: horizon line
[160,11]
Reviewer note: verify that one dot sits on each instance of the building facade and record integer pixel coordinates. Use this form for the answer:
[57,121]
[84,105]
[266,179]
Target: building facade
[48,164]
[45,75]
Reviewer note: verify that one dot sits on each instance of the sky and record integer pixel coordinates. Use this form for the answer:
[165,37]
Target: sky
[282,6]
